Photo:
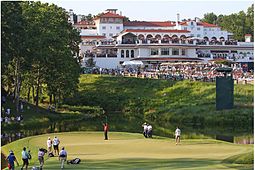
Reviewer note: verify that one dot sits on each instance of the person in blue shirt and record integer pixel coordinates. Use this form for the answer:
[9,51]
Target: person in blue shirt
[11,158]
[25,156]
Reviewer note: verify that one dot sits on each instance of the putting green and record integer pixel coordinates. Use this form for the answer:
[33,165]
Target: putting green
[132,151]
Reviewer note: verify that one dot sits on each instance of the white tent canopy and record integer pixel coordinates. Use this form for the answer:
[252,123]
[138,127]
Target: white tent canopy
[125,63]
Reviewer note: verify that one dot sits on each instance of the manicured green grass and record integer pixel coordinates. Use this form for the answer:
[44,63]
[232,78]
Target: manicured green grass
[246,158]
[132,151]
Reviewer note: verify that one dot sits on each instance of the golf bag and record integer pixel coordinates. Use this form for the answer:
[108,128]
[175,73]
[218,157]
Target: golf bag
[51,154]
[74,161]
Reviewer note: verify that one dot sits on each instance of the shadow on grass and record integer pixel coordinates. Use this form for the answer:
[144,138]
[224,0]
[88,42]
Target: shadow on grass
[142,163]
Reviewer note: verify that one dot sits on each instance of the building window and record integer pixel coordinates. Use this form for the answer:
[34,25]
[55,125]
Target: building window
[164,51]
[110,27]
[127,53]
[110,20]
[175,51]
[198,35]
[191,23]
[117,28]
[132,54]
[183,52]
[103,27]
[104,34]
[110,34]
[198,29]
[185,28]
[154,51]
[122,53]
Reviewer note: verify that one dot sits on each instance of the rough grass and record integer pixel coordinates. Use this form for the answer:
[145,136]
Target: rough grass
[132,151]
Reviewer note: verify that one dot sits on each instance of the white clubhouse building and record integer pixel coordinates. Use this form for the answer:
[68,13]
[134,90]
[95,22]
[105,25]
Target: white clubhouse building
[114,41]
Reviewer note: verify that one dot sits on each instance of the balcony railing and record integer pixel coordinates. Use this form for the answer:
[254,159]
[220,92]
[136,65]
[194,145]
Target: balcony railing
[183,42]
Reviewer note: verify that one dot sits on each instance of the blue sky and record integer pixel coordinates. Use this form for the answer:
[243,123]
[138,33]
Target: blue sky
[155,10]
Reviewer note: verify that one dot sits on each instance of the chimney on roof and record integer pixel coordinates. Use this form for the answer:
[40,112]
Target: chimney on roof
[197,19]
[177,20]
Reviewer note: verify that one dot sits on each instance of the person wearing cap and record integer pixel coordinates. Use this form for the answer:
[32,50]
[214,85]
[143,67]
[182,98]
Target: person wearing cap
[41,154]
[145,130]
[11,159]
[55,145]
[49,144]
[62,157]
[25,156]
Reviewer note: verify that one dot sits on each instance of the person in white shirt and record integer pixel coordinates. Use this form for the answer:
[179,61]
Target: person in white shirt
[149,131]
[49,144]
[8,111]
[177,135]
[62,157]
[145,130]
[55,145]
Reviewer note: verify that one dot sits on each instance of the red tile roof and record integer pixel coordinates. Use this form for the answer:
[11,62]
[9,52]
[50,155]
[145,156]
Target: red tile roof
[247,34]
[93,36]
[157,31]
[205,24]
[149,23]
[109,15]
[183,23]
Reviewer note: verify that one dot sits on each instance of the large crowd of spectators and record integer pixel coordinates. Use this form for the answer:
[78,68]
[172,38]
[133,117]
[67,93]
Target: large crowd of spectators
[180,71]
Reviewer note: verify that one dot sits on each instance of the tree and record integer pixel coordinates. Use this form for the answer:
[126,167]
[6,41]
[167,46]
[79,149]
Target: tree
[126,19]
[12,54]
[50,55]
[210,18]
[239,24]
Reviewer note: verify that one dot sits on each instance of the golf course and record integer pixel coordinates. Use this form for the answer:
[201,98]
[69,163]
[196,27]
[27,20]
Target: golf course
[133,151]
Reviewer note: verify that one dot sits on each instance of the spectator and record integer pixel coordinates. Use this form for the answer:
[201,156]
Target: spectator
[11,159]
[8,111]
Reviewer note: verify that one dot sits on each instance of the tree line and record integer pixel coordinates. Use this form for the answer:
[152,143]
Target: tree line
[239,24]
[40,52]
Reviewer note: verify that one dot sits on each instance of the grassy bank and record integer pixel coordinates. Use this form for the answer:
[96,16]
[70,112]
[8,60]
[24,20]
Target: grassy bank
[128,102]
[164,103]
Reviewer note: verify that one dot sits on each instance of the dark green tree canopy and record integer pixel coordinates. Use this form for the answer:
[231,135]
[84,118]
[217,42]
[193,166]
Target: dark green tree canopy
[239,24]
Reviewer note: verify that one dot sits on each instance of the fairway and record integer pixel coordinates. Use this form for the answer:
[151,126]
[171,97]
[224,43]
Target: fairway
[132,151]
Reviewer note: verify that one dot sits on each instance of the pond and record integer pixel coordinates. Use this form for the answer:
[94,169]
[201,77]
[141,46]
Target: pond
[230,134]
